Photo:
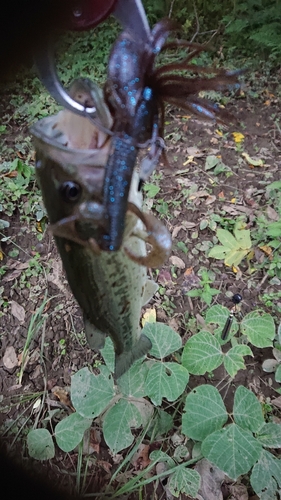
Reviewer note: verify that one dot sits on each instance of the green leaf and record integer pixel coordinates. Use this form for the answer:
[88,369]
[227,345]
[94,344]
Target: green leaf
[243,237]
[202,353]
[117,425]
[90,394]
[161,456]
[164,339]
[259,328]
[274,229]
[233,449]
[165,380]
[184,480]
[227,239]
[161,424]
[273,185]
[264,475]
[211,162]
[194,293]
[270,435]
[218,315]
[4,224]
[218,252]
[40,444]
[234,257]
[247,410]
[151,190]
[108,354]
[132,383]
[204,412]
[234,359]
[278,374]
[69,432]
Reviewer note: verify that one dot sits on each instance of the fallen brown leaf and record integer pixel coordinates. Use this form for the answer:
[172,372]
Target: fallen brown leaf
[17,311]
[10,359]
[177,262]
[62,395]
[140,459]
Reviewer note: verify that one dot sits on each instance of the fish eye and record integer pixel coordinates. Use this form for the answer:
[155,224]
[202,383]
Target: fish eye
[70,191]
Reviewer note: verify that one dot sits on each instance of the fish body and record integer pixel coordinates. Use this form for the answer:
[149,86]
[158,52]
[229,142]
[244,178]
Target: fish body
[110,287]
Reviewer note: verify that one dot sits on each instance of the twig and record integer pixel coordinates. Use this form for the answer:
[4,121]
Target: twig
[197,23]
[171,8]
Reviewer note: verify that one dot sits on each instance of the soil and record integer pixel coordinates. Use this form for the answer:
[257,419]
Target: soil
[237,191]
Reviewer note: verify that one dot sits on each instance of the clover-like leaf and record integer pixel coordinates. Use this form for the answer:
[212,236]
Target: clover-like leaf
[204,412]
[233,449]
[234,358]
[117,424]
[247,410]
[70,431]
[202,353]
[259,328]
[40,444]
[163,338]
[165,380]
[184,480]
[90,394]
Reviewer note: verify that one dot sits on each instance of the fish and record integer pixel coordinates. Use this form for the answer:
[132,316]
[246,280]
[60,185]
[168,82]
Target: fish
[110,287]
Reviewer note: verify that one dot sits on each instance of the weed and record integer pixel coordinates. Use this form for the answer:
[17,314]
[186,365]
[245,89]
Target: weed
[205,292]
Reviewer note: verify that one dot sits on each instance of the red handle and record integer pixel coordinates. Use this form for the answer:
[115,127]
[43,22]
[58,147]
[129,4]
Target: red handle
[86,14]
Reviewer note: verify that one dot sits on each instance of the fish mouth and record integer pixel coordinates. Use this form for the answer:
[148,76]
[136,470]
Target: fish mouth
[53,145]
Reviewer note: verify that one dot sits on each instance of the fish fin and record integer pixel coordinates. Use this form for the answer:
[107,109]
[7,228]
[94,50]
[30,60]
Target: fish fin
[94,336]
[125,360]
[149,290]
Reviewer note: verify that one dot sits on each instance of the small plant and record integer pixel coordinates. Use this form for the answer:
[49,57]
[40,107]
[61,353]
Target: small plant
[206,292]
[234,247]
[36,322]
[203,352]
[235,448]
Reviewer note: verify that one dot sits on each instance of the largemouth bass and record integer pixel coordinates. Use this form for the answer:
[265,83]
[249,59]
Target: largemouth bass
[110,287]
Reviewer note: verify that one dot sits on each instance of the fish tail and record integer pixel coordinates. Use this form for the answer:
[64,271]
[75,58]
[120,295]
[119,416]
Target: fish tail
[125,360]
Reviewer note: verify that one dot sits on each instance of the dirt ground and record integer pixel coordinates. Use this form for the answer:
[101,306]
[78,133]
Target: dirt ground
[189,194]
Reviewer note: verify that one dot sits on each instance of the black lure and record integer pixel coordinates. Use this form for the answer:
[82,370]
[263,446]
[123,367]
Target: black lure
[136,92]
[236,299]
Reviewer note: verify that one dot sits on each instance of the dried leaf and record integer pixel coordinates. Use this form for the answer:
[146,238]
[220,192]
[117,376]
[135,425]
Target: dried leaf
[238,492]
[276,402]
[10,359]
[18,268]
[188,271]
[255,162]
[149,316]
[266,249]
[210,199]
[272,214]
[198,194]
[140,459]
[164,278]
[62,395]
[177,262]
[17,311]
[190,159]
[105,465]
[211,480]
[176,231]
